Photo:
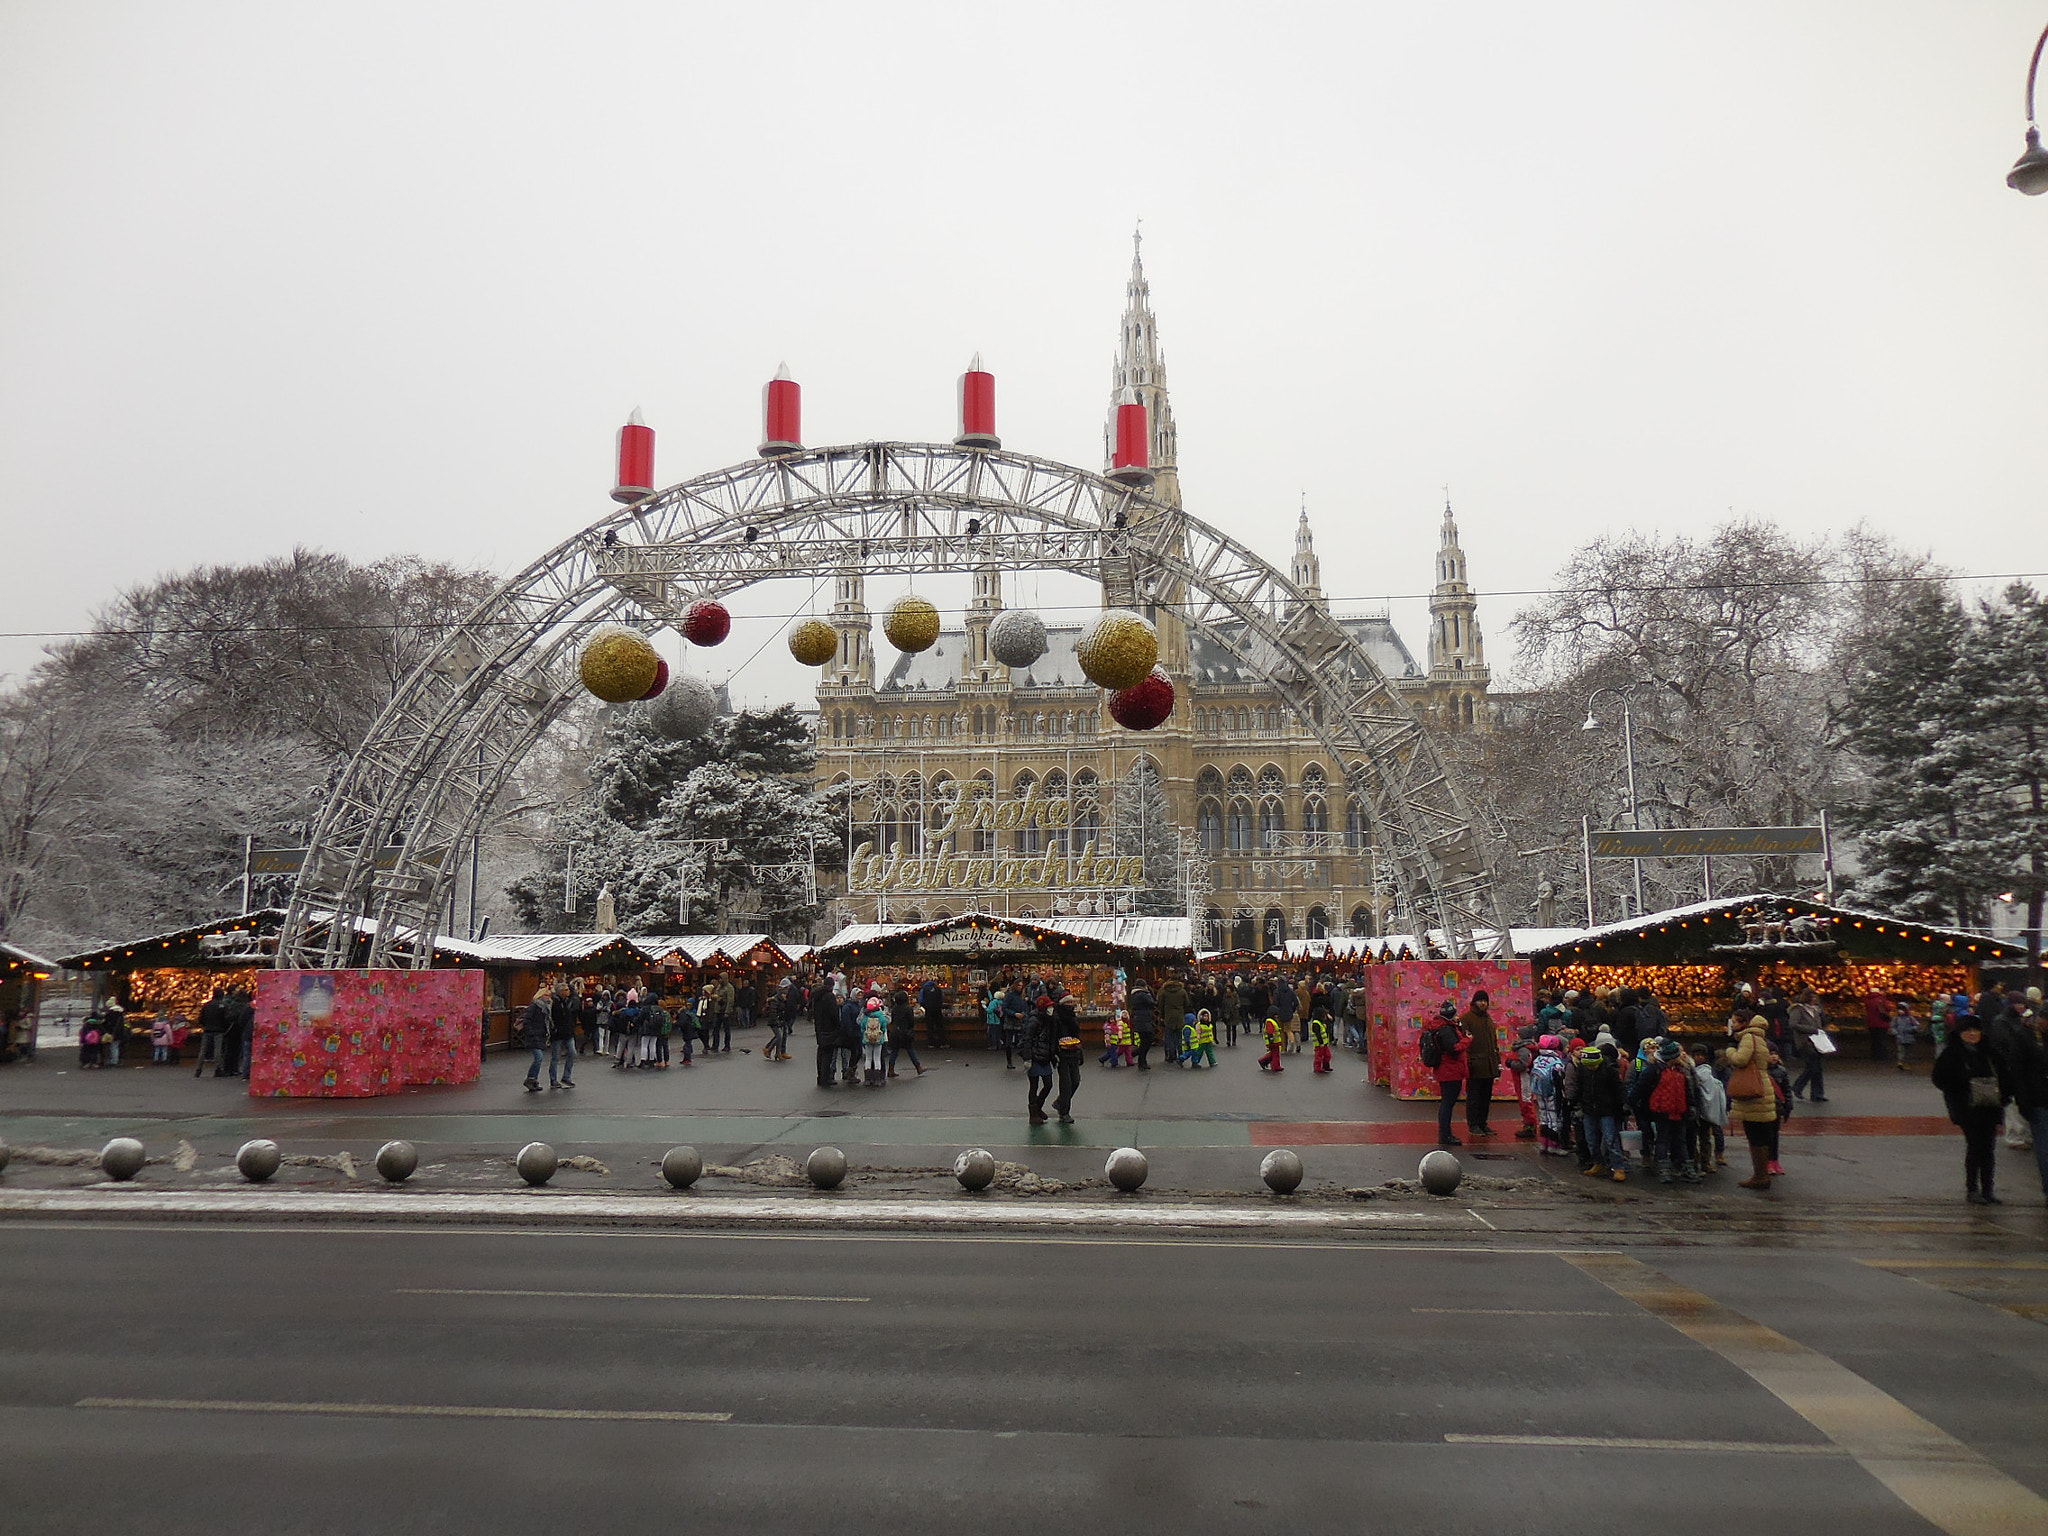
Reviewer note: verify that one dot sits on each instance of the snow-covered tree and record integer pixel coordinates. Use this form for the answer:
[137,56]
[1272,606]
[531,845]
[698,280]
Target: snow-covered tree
[1142,825]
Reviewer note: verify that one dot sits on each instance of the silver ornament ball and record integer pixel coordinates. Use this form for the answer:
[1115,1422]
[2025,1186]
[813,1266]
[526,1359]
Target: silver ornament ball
[1127,1167]
[685,709]
[396,1161]
[975,1168]
[258,1160]
[537,1163]
[1440,1173]
[681,1166]
[122,1158]
[1017,637]
[1281,1169]
[826,1167]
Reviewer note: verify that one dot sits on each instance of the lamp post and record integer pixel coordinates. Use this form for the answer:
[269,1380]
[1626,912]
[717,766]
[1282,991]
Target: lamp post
[2029,173]
[1628,753]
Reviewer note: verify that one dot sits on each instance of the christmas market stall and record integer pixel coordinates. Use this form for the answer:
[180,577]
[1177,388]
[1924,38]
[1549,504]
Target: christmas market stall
[1092,957]
[169,975]
[1692,959]
[22,975]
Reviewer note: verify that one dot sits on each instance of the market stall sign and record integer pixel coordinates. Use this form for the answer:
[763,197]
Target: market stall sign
[975,941]
[1708,843]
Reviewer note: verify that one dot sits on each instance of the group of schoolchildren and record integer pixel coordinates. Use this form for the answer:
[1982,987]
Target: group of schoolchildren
[1585,1069]
[1181,1018]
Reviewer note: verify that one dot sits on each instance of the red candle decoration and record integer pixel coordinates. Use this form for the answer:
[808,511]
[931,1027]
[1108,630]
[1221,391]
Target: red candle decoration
[706,622]
[782,413]
[636,460]
[660,680]
[1131,463]
[1146,704]
[977,408]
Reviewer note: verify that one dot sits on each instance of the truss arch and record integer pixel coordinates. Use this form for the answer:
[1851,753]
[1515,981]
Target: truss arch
[425,776]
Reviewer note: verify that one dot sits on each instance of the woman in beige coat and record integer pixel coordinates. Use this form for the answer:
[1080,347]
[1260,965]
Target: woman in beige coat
[1748,1061]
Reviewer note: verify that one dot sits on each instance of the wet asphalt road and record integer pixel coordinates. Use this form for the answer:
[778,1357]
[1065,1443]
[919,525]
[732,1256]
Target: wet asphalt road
[949,1384]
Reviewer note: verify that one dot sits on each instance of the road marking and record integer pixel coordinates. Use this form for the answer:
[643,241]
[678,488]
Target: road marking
[1511,1312]
[1955,1263]
[427,1290]
[1932,1472]
[401,1410]
[1598,1443]
[1481,1219]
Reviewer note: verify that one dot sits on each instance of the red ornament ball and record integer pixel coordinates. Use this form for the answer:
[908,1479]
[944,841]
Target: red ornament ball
[1144,705]
[706,622]
[660,680]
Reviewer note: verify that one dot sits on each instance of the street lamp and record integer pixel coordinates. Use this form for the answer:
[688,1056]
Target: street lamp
[2029,173]
[1628,752]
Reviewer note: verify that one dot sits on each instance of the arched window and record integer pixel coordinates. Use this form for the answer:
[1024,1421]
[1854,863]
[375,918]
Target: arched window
[1244,932]
[1056,789]
[1213,929]
[1315,814]
[1276,928]
[1209,826]
[1317,923]
[1272,822]
[1361,922]
[1272,781]
[837,725]
[1237,827]
[1208,782]
[1313,780]
[1354,827]
[1028,839]
[982,840]
[1240,780]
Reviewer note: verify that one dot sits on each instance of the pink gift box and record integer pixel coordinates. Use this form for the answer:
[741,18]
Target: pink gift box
[359,1034]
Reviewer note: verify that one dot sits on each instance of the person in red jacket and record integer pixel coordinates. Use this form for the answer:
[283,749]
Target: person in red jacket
[1449,1070]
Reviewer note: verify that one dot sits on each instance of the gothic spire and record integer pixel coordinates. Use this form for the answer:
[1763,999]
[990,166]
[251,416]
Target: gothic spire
[1141,368]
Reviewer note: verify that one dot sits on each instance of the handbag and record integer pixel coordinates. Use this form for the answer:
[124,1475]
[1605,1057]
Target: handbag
[1984,1093]
[1823,1044]
[1747,1082]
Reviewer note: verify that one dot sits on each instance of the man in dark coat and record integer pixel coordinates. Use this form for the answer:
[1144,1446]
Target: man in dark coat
[1041,1050]
[931,998]
[1482,1063]
[825,1026]
[536,1026]
[213,1029]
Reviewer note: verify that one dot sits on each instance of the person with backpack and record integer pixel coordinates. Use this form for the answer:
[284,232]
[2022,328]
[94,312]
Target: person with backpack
[1664,1096]
[1976,1085]
[1443,1047]
[1710,1126]
[1603,1101]
[1547,1090]
[903,1028]
[1318,1039]
[874,1040]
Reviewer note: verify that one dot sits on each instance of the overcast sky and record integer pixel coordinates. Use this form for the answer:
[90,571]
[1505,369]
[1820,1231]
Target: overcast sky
[386,278]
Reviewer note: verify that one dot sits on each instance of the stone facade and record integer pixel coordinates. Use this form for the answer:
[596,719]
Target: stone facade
[1272,849]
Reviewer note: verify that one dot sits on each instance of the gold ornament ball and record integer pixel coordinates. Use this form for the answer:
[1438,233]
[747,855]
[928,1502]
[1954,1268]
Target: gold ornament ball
[619,665]
[813,642]
[913,624]
[1118,650]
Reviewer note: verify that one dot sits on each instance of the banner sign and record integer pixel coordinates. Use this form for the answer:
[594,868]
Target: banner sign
[1709,843]
[944,867]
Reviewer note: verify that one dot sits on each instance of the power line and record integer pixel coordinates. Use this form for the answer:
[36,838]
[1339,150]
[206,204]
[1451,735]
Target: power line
[1800,583]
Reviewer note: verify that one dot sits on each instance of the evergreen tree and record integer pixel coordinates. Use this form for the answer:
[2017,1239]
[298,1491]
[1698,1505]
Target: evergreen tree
[2007,780]
[744,780]
[1142,825]
[1929,842]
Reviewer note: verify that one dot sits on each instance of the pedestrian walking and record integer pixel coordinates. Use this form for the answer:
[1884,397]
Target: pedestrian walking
[1976,1086]
[213,1031]
[874,1040]
[1145,1020]
[1041,1049]
[2027,1067]
[1546,1088]
[902,1028]
[1319,1039]
[1665,1096]
[536,1029]
[1276,1037]
[1067,1046]
[1905,1030]
[1201,1048]
[562,1036]
[1602,1098]
[1808,1027]
[1286,1007]
[825,1029]
[852,1037]
[931,998]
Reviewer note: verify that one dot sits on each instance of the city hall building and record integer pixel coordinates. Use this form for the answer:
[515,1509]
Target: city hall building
[986,788]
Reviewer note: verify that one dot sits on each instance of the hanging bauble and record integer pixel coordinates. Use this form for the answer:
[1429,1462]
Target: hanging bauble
[1017,638]
[1145,705]
[660,680]
[1118,649]
[813,642]
[705,622]
[685,709]
[618,664]
[912,623]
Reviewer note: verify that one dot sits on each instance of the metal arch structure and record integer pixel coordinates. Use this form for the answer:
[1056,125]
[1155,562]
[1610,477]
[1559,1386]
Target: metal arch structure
[426,775]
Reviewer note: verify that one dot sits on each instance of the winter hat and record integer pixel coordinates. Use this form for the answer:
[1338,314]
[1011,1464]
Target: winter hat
[1669,1049]
[1447,1010]
[1572,996]
[1605,1039]
[1548,1043]
[1481,997]
[2034,995]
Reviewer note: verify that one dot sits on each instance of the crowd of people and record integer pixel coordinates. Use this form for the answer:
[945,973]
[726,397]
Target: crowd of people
[224,1033]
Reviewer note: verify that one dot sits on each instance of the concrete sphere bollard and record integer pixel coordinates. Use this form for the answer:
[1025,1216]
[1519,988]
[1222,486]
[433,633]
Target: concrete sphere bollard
[396,1161]
[258,1160]
[537,1163]
[681,1166]
[122,1158]
[1281,1169]
[975,1168]
[1440,1173]
[1127,1168]
[826,1167]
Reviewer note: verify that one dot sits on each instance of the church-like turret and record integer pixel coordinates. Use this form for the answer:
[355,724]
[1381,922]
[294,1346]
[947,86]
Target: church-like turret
[854,665]
[1140,376]
[1458,673]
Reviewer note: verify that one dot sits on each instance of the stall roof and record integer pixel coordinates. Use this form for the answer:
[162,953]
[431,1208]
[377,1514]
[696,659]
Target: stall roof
[699,948]
[181,946]
[14,958]
[1688,933]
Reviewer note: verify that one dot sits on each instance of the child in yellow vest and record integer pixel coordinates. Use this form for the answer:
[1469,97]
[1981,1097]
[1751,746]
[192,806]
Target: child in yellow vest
[1202,1040]
[1276,1037]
